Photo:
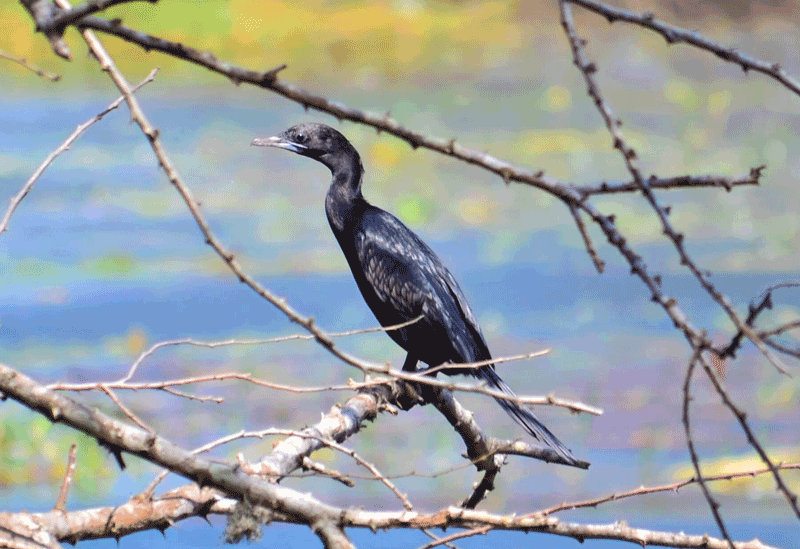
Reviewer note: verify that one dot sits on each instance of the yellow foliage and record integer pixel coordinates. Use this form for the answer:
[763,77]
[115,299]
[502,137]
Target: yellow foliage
[757,486]
[718,102]
[412,211]
[385,154]
[557,98]
[136,341]
[680,93]
[478,209]
[553,141]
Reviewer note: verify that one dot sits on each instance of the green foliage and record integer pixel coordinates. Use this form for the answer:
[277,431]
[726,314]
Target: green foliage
[34,451]
[392,39]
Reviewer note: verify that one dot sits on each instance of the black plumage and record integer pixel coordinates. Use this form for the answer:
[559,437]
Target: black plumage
[400,277]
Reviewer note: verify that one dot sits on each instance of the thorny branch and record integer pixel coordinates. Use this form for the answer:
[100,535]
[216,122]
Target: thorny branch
[629,155]
[24,62]
[698,342]
[687,398]
[676,35]
[284,504]
[423,378]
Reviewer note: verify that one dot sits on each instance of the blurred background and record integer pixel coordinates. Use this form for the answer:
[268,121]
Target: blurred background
[102,259]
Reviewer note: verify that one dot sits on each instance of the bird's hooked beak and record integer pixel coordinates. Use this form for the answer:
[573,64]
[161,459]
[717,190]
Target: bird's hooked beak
[279,143]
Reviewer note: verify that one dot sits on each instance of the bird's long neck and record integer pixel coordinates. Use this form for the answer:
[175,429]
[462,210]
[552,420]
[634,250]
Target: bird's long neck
[344,193]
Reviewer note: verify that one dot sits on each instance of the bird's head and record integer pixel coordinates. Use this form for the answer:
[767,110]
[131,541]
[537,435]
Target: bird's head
[317,141]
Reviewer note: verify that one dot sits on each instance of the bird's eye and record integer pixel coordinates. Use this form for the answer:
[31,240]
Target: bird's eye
[300,137]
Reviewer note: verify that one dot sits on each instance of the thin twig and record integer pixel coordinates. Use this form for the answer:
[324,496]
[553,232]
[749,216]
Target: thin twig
[674,487]
[778,330]
[479,531]
[599,264]
[130,415]
[687,398]
[320,469]
[24,62]
[280,339]
[347,451]
[434,537]
[741,417]
[69,475]
[17,198]
[675,183]
[753,310]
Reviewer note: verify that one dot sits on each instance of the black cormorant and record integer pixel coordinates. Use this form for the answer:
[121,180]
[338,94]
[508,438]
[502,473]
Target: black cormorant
[399,275]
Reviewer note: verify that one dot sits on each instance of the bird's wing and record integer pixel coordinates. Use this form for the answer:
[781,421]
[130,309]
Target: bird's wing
[408,276]
[392,270]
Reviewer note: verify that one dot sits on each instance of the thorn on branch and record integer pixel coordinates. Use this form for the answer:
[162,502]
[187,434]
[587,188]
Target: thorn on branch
[505,173]
[115,451]
[272,74]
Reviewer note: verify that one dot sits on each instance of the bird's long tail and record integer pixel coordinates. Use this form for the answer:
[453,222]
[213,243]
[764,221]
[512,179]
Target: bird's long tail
[524,416]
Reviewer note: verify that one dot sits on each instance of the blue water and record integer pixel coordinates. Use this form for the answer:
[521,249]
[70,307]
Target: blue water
[60,308]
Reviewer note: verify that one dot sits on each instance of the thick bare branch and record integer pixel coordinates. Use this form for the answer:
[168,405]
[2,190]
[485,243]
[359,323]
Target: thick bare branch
[42,12]
[69,16]
[151,447]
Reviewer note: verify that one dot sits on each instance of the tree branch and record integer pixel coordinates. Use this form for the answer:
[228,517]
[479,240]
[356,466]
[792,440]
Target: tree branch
[676,35]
